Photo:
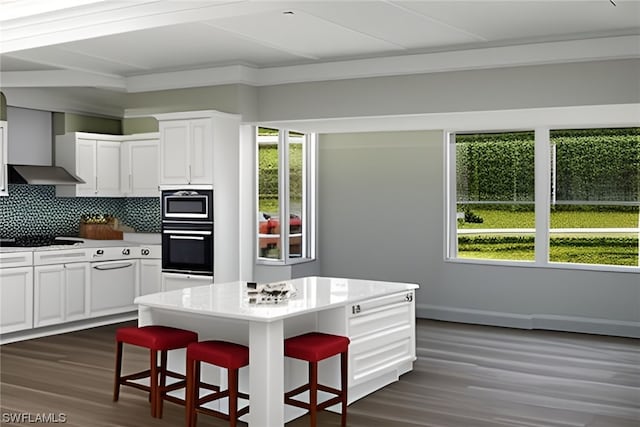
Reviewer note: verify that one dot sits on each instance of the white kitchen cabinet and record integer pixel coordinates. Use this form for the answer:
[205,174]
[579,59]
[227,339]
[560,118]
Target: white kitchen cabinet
[16,291]
[60,293]
[382,333]
[140,163]
[60,288]
[186,151]
[173,281]
[4,191]
[95,159]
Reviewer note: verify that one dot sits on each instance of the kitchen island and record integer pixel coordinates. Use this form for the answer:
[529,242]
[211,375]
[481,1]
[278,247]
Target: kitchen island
[378,317]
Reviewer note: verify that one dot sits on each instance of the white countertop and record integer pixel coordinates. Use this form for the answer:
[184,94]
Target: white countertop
[230,300]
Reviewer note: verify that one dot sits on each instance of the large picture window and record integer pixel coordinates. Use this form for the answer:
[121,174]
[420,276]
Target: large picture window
[566,196]
[286,196]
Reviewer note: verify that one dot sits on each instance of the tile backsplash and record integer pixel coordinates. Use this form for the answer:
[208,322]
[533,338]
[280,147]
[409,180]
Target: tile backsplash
[35,210]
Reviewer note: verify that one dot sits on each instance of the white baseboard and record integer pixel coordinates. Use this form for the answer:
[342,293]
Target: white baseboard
[66,327]
[535,321]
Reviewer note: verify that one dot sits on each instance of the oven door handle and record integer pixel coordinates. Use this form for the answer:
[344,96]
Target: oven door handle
[112,266]
[186,237]
[189,232]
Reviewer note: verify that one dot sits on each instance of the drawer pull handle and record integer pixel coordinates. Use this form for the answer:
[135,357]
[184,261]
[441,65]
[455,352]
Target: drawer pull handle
[409,297]
[355,309]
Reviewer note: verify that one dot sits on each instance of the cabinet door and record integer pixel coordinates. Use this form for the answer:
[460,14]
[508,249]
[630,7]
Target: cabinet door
[174,281]
[143,168]
[108,168]
[3,160]
[48,302]
[200,152]
[174,157]
[16,299]
[76,285]
[86,167]
[150,276]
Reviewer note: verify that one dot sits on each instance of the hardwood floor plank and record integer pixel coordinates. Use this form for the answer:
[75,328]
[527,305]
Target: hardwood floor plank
[465,376]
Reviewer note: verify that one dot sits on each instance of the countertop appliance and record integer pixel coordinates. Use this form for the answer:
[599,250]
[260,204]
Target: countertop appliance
[187,231]
[39,241]
[111,277]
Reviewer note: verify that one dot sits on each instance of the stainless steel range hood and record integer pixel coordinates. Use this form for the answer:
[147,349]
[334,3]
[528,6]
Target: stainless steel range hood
[41,175]
[30,150]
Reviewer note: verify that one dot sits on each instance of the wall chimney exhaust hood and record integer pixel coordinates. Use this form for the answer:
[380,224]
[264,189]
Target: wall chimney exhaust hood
[30,150]
[41,175]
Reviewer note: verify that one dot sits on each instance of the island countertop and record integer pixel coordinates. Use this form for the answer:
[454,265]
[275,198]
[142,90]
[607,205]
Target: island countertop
[231,300]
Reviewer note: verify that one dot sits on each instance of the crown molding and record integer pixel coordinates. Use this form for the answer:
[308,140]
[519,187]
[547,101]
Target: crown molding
[598,49]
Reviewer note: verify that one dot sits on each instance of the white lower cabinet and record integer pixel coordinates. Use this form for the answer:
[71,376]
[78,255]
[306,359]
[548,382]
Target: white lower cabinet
[382,337]
[173,281]
[60,293]
[150,276]
[16,299]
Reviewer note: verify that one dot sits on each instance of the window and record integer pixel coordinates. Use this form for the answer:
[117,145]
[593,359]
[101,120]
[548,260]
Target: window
[595,176]
[286,196]
[550,196]
[495,195]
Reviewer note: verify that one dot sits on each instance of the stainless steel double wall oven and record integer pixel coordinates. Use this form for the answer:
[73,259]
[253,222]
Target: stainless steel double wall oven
[187,230]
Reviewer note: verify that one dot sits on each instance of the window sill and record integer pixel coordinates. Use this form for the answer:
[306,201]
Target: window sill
[550,265]
[281,263]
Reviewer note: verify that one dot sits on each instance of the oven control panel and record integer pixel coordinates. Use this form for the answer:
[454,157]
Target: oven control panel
[113,253]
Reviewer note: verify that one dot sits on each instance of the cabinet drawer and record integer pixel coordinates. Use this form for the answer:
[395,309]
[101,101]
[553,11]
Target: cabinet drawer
[60,256]
[379,319]
[371,357]
[16,259]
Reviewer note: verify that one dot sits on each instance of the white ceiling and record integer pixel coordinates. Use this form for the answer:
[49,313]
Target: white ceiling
[149,45]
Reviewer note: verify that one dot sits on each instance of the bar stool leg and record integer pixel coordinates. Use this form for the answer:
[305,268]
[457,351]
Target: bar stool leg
[163,383]
[153,382]
[189,393]
[344,360]
[232,386]
[313,392]
[116,383]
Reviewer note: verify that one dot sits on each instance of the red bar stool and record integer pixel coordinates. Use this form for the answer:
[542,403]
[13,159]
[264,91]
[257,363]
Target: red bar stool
[314,347]
[225,355]
[156,339]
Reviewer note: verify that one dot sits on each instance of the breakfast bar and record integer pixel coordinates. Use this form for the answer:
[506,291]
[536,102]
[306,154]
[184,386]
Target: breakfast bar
[377,316]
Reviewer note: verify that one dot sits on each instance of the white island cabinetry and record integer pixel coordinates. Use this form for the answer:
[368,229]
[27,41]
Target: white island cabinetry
[224,311]
[16,291]
[382,333]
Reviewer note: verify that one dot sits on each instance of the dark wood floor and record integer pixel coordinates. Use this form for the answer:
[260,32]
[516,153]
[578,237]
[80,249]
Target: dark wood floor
[465,376]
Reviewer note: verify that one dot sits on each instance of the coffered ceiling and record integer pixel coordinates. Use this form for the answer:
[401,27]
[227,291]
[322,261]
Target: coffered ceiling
[143,45]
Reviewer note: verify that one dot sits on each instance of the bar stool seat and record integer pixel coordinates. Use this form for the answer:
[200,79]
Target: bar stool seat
[314,347]
[156,338]
[225,355]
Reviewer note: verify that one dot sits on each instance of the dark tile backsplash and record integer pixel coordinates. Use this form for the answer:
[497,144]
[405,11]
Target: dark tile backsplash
[35,209]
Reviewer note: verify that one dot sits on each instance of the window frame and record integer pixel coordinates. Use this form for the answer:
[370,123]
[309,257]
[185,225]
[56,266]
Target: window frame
[542,188]
[308,215]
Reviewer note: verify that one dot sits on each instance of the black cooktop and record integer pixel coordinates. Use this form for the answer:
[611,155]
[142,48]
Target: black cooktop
[35,241]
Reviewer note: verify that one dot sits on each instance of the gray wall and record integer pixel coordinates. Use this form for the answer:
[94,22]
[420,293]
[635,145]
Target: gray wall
[588,83]
[381,216]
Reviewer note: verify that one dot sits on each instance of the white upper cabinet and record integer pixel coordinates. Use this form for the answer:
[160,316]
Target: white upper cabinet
[3,158]
[140,165]
[186,153]
[95,159]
